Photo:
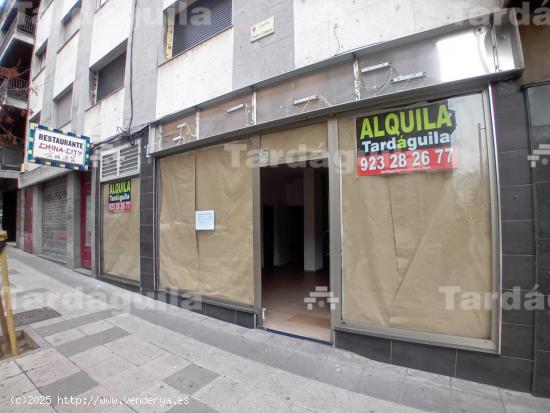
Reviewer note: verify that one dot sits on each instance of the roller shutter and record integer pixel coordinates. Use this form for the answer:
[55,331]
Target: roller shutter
[54,219]
[199,21]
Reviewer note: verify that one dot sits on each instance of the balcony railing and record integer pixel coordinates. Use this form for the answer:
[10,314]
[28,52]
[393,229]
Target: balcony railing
[16,89]
[21,24]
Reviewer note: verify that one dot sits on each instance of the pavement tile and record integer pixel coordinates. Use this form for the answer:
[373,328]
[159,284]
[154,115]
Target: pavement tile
[283,384]
[121,408]
[222,394]
[158,399]
[130,382]
[237,368]
[382,383]
[303,365]
[257,401]
[190,379]
[98,400]
[185,347]
[69,323]
[467,396]
[427,392]
[48,322]
[87,342]
[54,328]
[8,407]
[95,327]
[313,349]
[341,375]
[515,402]
[64,337]
[135,350]
[165,366]
[270,355]
[15,386]
[321,397]
[69,386]
[9,369]
[95,355]
[112,366]
[38,359]
[51,372]
[359,403]
[194,406]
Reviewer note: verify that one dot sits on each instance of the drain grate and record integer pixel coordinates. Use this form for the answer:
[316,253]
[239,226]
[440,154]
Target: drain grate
[34,316]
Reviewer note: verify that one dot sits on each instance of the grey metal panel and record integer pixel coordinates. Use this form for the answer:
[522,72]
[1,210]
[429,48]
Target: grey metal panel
[464,54]
[192,28]
[176,132]
[54,219]
[233,114]
[331,86]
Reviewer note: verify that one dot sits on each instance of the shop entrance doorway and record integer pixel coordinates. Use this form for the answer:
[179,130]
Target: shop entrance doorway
[295,249]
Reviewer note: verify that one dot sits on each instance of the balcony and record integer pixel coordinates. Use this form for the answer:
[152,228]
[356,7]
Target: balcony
[18,42]
[14,93]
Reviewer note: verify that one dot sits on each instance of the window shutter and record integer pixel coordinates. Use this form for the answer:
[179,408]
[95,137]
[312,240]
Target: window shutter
[187,35]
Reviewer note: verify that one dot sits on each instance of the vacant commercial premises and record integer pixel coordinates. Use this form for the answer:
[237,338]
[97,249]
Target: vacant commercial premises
[366,188]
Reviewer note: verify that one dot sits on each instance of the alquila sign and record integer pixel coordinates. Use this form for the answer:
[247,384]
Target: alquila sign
[120,196]
[53,147]
[406,140]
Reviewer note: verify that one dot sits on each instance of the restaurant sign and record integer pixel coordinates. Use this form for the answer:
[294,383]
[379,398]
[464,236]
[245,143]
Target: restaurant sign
[53,147]
[407,140]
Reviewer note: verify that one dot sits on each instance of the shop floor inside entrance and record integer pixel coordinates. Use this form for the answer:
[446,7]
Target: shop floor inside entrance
[284,290]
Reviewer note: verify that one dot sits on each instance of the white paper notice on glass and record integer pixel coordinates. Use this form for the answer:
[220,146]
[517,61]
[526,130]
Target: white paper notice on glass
[204,220]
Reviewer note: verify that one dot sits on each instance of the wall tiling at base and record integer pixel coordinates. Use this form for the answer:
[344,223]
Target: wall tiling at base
[507,372]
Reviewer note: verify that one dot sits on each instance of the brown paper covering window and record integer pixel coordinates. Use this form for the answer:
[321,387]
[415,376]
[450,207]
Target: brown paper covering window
[121,237]
[215,263]
[406,235]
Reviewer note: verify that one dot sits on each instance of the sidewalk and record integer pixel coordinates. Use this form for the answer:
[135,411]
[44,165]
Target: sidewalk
[116,351]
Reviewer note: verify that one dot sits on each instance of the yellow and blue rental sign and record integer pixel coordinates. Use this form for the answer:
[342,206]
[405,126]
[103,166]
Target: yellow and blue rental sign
[53,147]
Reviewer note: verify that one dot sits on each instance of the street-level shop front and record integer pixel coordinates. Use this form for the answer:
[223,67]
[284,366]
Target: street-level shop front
[54,219]
[417,212]
[355,203]
[119,212]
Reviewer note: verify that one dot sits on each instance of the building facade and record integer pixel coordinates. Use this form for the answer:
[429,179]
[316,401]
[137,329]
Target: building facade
[249,159]
[17,35]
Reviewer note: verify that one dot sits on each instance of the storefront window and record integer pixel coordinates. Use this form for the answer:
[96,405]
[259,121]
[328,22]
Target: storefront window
[214,261]
[121,228]
[417,240]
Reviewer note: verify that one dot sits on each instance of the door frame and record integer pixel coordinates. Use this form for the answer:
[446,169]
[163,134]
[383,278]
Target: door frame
[334,206]
[85,193]
[27,218]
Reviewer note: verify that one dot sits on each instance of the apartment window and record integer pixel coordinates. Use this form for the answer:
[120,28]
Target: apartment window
[100,3]
[39,60]
[111,77]
[71,24]
[191,24]
[64,107]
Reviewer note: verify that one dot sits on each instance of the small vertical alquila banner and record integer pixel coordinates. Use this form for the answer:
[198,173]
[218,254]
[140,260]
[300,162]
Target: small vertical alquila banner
[120,196]
[53,147]
[407,140]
